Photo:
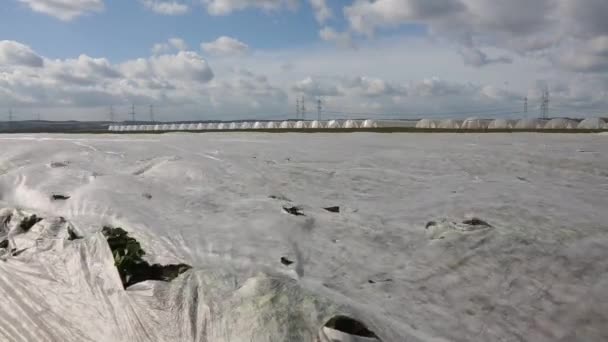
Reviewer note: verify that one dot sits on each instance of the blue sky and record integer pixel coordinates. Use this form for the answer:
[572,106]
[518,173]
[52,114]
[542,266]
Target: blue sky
[254,58]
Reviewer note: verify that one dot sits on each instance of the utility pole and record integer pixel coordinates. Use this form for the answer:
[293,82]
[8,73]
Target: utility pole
[303,108]
[319,108]
[152,113]
[297,108]
[111,113]
[133,112]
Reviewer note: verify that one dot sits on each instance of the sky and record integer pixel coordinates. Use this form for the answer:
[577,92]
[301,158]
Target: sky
[253,59]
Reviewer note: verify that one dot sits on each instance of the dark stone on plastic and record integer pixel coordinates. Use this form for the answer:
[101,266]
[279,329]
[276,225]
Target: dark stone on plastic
[286,261]
[57,197]
[335,209]
[297,211]
[476,222]
[29,222]
[350,326]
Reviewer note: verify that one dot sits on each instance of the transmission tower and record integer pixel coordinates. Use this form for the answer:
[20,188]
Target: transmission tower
[526,106]
[152,113]
[544,105]
[111,113]
[133,112]
[10,115]
[297,108]
[319,108]
[303,109]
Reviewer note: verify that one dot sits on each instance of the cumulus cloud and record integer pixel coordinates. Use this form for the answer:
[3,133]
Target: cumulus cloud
[65,9]
[14,53]
[543,28]
[225,46]
[313,87]
[173,44]
[343,39]
[166,7]
[224,7]
[322,11]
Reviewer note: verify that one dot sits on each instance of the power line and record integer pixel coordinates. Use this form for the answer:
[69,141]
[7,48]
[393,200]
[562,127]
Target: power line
[544,106]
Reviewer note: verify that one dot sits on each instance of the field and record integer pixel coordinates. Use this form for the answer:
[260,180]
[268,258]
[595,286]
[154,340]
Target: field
[439,237]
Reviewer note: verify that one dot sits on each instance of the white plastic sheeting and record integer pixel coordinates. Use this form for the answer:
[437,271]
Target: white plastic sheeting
[369,124]
[272,125]
[474,123]
[449,124]
[529,123]
[426,124]
[318,124]
[335,124]
[500,124]
[246,125]
[560,123]
[352,124]
[302,124]
[287,124]
[592,123]
[540,271]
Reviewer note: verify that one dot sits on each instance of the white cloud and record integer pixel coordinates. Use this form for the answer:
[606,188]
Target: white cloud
[173,44]
[543,28]
[14,53]
[312,87]
[322,11]
[225,46]
[343,39]
[166,7]
[65,9]
[224,7]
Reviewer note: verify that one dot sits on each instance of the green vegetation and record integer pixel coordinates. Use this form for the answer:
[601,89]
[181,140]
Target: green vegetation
[128,260]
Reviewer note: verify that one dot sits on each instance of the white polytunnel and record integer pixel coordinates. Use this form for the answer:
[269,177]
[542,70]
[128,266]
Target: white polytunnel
[449,124]
[529,123]
[259,125]
[234,125]
[302,124]
[334,124]
[426,124]
[182,127]
[351,124]
[560,123]
[272,125]
[474,123]
[286,124]
[370,124]
[192,127]
[592,123]
[500,124]
[318,124]
[201,127]
[212,126]
[222,126]
[246,125]
[157,127]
